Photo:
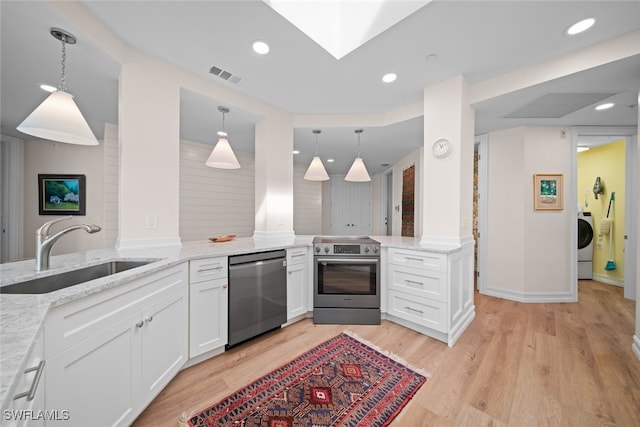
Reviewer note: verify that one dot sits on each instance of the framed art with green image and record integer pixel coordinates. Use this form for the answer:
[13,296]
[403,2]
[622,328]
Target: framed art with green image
[61,194]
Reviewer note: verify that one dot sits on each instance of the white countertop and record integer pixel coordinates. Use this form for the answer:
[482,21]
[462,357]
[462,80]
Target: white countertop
[22,316]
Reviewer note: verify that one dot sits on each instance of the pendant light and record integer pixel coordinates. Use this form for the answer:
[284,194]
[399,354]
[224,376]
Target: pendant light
[58,117]
[358,171]
[222,156]
[316,170]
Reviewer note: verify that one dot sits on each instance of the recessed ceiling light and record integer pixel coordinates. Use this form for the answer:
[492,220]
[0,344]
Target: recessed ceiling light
[329,160]
[605,106]
[580,26]
[48,88]
[581,149]
[296,151]
[390,77]
[260,47]
[431,57]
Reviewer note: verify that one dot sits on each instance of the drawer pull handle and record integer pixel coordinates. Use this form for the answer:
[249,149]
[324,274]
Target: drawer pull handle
[149,319]
[297,255]
[204,270]
[408,258]
[34,384]
[225,286]
[414,309]
[140,324]
[413,282]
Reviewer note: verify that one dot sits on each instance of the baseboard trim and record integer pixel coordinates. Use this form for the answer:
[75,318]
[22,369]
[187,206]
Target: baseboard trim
[636,345]
[608,280]
[532,297]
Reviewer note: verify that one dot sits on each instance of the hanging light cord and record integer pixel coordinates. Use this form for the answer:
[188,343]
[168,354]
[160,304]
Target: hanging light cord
[317,144]
[358,132]
[63,79]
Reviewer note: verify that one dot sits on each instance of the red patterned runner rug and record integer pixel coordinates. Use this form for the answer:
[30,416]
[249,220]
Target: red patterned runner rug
[341,382]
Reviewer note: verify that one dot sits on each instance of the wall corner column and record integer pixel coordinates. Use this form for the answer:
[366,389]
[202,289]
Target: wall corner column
[447,203]
[274,178]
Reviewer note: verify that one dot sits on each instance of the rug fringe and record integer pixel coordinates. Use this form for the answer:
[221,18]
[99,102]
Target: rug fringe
[387,353]
[184,418]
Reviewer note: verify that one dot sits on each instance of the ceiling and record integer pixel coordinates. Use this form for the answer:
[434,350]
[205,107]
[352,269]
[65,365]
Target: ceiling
[478,39]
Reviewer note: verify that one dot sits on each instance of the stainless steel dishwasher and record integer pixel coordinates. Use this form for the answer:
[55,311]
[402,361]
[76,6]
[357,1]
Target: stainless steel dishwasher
[257,294]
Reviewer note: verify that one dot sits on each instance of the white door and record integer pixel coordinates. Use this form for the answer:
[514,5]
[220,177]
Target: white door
[208,316]
[350,207]
[93,380]
[163,343]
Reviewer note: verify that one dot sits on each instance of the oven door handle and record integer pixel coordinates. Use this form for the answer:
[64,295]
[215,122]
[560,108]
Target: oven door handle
[342,260]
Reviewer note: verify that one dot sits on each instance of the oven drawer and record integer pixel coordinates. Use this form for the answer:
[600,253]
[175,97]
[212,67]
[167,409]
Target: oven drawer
[204,269]
[297,256]
[422,311]
[421,259]
[420,282]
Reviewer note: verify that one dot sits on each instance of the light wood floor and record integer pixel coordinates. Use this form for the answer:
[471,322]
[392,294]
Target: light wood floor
[516,365]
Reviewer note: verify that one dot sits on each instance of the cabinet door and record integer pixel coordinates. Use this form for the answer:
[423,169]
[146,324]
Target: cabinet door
[163,343]
[350,208]
[207,316]
[296,290]
[18,411]
[93,380]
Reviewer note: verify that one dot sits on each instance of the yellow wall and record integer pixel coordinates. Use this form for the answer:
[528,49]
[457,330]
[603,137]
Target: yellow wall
[607,162]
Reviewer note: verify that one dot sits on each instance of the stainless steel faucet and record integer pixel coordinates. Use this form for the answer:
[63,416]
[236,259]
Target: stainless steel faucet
[45,241]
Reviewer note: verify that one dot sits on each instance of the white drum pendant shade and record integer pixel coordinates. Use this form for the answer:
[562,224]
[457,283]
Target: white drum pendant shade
[59,119]
[222,156]
[316,171]
[358,172]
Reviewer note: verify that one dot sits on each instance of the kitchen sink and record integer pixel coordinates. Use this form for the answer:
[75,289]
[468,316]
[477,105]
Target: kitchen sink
[55,282]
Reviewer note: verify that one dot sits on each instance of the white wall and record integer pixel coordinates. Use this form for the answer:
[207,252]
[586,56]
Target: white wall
[528,251]
[57,158]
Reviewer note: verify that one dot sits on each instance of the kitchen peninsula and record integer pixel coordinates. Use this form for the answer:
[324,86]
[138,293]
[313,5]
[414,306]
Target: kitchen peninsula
[441,307]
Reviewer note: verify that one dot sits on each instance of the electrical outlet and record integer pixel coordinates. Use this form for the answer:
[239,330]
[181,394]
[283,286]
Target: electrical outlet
[152,221]
[563,133]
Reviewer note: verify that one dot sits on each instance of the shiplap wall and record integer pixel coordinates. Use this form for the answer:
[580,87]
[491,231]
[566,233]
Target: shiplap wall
[214,202]
[111,174]
[307,203]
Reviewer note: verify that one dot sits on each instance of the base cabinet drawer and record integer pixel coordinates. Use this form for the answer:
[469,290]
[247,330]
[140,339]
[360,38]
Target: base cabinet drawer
[204,269]
[425,312]
[419,282]
[421,259]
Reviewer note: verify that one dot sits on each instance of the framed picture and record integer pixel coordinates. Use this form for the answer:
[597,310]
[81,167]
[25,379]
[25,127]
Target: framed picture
[547,191]
[61,194]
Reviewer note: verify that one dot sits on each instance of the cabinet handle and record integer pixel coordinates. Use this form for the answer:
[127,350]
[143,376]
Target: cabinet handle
[148,319]
[203,270]
[140,324]
[34,384]
[290,272]
[297,255]
[413,282]
[225,286]
[408,258]
[414,309]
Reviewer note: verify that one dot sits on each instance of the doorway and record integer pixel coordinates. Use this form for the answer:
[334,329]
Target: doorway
[609,148]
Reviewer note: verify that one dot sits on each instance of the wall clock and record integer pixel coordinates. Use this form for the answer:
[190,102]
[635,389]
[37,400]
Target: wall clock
[441,148]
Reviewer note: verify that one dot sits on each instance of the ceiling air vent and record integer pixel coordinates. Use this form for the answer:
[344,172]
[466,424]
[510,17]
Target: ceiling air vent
[224,75]
[556,105]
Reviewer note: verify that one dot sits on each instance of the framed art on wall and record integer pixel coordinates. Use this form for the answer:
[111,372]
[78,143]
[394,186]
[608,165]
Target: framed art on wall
[547,191]
[61,194]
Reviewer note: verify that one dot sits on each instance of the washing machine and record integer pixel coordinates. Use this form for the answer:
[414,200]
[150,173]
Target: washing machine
[585,245]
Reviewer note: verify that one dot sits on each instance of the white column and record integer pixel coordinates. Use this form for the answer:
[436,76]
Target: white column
[636,337]
[274,178]
[149,132]
[447,203]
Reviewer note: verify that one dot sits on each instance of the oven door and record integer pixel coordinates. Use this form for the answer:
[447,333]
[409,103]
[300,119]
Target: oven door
[344,282]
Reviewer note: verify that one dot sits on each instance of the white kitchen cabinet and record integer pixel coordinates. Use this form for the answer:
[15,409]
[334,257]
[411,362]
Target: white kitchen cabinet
[29,394]
[430,292]
[208,305]
[118,351]
[298,280]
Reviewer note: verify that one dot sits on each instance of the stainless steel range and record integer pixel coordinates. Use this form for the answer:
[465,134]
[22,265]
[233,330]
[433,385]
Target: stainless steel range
[346,280]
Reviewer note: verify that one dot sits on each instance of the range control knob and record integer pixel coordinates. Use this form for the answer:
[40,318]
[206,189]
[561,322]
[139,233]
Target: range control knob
[326,249]
[375,249]
[318,249]
[366,249]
